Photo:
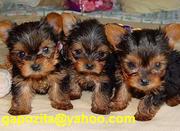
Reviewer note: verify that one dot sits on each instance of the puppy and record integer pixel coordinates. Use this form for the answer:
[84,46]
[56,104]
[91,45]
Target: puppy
[142,59]
[90,64]
[34,52]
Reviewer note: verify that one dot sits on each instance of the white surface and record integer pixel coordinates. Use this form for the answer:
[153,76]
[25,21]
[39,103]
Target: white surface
[167,119]
[5,82]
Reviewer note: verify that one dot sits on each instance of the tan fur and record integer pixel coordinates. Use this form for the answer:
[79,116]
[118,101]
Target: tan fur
[114,33]
[173,33]
[4,27]
[68,21]
[56,21]
[146,112]
[173,101]
[121,99]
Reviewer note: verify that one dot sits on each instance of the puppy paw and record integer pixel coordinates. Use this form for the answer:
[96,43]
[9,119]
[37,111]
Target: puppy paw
[173,102]
[140,117]
[14,111]
[101,110]
[75,95]
[117,105]
[62,105]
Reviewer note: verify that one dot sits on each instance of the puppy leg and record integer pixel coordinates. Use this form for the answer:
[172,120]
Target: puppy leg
[101,98]
[75,90]
[121,98]
[149,106]
[173,101]
[21,100]
[59,100]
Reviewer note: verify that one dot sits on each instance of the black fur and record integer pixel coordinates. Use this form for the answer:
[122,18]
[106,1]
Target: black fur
[145,43]
[172,77]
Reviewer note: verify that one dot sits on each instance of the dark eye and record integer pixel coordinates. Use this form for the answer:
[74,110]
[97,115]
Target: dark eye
[46,50]
[102,55]
[158,65]
[77,52]
[21,54]
[131,65]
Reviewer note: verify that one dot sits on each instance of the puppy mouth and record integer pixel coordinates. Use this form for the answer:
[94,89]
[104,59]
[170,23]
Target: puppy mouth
[145,87]
[89,73]
[88,68]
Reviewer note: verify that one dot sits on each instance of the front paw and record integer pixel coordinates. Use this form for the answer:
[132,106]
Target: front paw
[16,111]
[62,105]
[117,105]
[75,95]
[105,110]
[141,117]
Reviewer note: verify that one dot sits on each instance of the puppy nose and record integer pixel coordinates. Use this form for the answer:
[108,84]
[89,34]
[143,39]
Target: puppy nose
[36,67]
[144,82]
[89,66]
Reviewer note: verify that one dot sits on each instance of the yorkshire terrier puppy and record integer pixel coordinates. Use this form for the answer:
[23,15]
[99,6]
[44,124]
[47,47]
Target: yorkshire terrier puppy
[89,56]
[142,59]
[34,52]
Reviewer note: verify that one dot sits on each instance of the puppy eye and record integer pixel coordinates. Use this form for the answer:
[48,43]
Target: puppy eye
[45,50]
[102,55]
[21,54]
[158,65]
[131,65]
[77,52]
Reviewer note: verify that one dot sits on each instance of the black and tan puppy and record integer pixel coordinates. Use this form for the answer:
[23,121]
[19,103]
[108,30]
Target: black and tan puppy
[142,60]
[88,53]
[34,52]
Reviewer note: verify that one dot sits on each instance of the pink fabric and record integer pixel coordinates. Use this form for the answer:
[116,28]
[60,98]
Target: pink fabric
[89,5]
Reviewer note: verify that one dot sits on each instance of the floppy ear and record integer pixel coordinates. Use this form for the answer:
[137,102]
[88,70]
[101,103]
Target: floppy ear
[68,21]
[114,34]
[5,27]
[173,33]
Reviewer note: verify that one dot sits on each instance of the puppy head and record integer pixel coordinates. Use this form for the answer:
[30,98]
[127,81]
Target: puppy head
[33,49]
[88,48]
[142,54]
[145,59]
[34,46]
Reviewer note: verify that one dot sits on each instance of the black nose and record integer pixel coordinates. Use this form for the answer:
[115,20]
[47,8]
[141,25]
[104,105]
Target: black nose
[89,66]
[36,67]
[144,82]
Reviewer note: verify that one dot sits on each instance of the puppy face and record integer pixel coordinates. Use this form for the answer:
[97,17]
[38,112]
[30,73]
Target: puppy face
[88,47]
[34,46]
[33,49]
[145,59]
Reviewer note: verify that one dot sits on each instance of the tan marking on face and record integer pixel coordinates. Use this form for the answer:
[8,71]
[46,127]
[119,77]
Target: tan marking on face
[134,81]
[19,47]
[153,74]
[133,59]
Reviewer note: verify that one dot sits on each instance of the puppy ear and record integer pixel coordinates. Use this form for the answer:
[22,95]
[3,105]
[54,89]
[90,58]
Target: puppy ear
[114,34]
[5,27]
[68,21]
[61,22]
[56,21]
[173,33]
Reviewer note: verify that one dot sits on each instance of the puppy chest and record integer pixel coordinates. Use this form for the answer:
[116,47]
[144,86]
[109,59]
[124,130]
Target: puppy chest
[41,86]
